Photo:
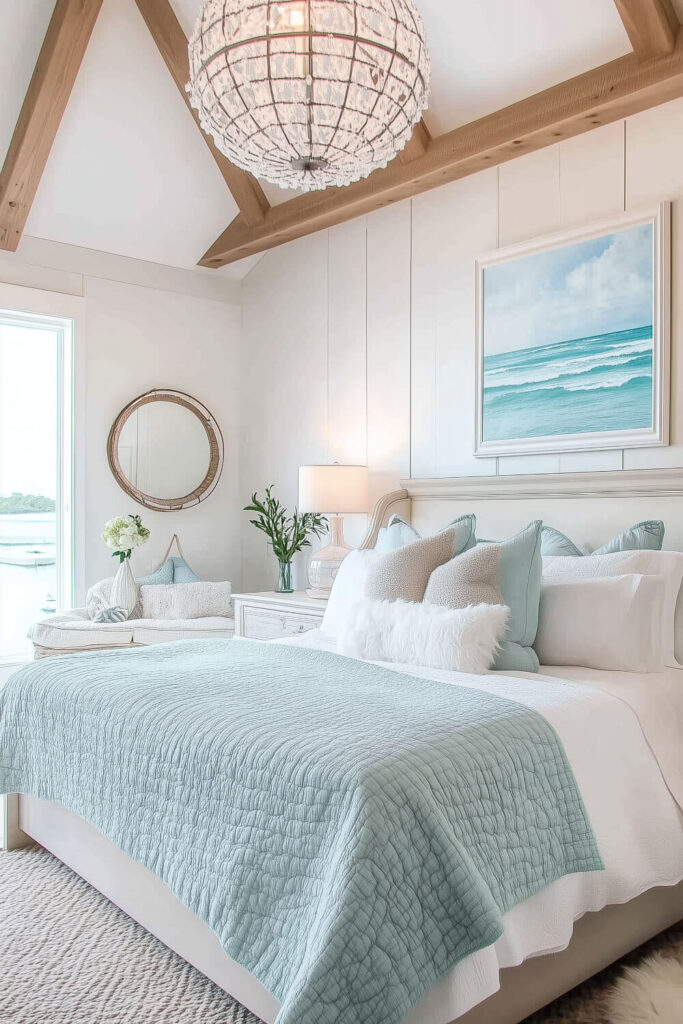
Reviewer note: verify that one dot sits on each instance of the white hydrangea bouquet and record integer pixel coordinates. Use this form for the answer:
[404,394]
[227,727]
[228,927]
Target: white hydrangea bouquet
[123,534]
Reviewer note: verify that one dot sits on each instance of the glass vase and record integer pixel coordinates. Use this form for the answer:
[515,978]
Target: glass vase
[284,578]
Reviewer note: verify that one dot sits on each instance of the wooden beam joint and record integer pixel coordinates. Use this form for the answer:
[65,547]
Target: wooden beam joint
[651,25]
[418,144]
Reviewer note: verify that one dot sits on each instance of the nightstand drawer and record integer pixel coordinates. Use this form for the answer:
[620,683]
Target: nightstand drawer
[268,624]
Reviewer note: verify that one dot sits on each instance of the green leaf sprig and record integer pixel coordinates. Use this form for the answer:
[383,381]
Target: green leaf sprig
[287,534]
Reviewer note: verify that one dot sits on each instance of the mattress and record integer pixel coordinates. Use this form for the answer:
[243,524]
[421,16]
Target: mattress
[621,734]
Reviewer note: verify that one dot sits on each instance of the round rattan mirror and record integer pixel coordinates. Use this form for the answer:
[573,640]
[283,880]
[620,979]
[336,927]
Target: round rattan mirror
[165,450]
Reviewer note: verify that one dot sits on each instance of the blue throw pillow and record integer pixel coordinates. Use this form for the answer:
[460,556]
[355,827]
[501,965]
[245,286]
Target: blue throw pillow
[182,572]
[645,536]
[520,587]
[398,533]
[164,574]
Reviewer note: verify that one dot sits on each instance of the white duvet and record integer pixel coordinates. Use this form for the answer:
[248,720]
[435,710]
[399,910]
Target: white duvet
[622,734]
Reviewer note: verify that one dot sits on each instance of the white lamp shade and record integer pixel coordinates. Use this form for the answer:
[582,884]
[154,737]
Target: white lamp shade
[333,490]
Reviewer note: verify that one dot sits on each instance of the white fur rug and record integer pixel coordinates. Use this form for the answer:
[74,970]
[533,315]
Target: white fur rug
[651,993]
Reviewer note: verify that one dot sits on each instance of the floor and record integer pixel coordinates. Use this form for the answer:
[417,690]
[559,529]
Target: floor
[73,958]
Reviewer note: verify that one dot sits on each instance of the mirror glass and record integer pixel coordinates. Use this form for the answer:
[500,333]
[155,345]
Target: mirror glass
[166,450]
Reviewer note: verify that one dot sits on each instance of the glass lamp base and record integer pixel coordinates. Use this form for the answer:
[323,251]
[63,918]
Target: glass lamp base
[325,563]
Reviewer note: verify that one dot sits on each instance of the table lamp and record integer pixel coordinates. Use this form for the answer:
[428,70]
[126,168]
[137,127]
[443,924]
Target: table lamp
[334,491]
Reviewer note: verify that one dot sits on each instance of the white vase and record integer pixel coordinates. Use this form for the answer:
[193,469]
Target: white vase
[124,589]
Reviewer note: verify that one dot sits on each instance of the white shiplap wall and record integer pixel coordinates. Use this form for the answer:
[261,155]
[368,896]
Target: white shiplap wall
[359,341]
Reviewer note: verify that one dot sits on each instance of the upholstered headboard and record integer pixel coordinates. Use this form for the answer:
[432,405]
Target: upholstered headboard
[589,507]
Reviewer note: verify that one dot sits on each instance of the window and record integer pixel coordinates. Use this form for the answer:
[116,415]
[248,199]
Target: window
[36,500]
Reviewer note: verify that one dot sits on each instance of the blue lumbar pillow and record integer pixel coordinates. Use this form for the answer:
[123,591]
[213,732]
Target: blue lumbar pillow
[164,574]
[398,533]
[182,572]
[520,587]
[645,536]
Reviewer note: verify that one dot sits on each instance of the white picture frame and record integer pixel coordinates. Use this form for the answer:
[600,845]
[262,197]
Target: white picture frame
[657,434]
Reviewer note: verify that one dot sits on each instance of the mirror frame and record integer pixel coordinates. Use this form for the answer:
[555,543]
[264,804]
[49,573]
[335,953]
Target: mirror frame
[214,437]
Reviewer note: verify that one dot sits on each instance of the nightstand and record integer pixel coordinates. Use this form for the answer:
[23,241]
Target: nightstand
[269,615]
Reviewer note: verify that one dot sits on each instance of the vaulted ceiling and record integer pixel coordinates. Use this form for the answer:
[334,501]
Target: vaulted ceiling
[129,171]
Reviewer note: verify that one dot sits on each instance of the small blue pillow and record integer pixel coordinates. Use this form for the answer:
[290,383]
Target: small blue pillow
[182,572]
[164,574]
[645,536]
[398,533]
[520,587]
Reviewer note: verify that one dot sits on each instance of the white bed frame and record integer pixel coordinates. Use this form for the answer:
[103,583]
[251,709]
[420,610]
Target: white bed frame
[590,508]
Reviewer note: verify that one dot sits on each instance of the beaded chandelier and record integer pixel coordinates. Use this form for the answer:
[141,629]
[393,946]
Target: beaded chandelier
[309,93]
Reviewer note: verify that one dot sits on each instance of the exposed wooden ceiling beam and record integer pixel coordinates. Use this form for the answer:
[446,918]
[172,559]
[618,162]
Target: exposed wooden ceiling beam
[48,93]
[652,26]
[171,41]
[608,93]
[418,144]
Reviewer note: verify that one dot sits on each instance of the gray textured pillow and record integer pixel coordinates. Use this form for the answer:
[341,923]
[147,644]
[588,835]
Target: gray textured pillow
[471,578]
[404,574]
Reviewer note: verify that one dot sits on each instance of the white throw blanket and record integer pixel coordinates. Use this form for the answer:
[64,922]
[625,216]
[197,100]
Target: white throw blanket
[186,600]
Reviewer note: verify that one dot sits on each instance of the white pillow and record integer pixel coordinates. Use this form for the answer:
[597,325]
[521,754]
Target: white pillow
[611,623]
[186,600]
[462,639]
[348,589]
[669,564]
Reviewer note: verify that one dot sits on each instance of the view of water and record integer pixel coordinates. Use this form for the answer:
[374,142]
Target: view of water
[24,588]
[570,387]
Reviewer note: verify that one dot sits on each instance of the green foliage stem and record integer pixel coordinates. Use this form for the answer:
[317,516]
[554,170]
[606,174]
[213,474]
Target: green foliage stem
[287,534]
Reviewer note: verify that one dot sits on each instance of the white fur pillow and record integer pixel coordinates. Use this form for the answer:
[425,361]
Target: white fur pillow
[462,639]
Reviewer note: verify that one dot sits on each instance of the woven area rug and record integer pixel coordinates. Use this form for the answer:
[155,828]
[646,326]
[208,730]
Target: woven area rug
[69,956]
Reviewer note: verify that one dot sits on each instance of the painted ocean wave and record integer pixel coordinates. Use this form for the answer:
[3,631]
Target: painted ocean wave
[590,384]
[552,370]
[603,374]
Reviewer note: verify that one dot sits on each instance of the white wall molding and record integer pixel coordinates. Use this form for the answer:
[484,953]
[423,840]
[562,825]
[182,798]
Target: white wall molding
[71,262]
[615,484]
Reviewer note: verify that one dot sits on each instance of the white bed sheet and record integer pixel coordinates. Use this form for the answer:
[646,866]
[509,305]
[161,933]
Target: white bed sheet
[620,733]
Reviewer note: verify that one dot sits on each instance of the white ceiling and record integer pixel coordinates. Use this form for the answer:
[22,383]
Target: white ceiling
[129,173]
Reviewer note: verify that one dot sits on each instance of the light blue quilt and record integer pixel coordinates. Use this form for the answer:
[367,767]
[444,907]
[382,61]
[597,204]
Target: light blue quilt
[348,832]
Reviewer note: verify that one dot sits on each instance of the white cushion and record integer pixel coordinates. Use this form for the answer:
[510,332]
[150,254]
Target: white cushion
[412,633]
[75,631]
[162,631]
[348,589]
[611,623]
[186,600]
[669,564]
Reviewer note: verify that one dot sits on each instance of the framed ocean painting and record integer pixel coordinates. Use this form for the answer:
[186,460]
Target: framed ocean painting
[573,339]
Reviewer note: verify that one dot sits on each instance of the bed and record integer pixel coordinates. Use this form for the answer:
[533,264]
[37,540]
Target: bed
[625,755]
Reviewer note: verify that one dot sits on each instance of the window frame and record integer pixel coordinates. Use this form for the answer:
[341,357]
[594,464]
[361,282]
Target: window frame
[65,315]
